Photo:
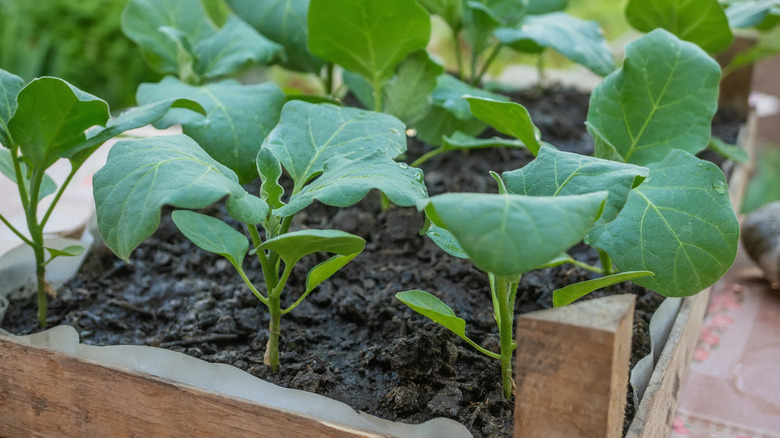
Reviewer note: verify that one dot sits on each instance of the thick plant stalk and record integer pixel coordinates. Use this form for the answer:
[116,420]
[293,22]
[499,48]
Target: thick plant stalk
[271,357]
[506,320]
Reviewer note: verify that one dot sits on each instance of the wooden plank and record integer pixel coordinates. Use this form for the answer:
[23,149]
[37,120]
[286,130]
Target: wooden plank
[52,394]
[572,369]
[656,411]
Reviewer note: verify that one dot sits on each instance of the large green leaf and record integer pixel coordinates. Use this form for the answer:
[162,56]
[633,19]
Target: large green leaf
[213,235]
[367,36]
[51,119]
[238,118]
[283,21]
[296,245]
[663,98]
[408,93]
[579,40]
[232,47]
[10,85]
[141,176]
[513,234]
[538,7]
[310,134]
[573,292]
[482,17]
[344,182]
[556,173]
[142,21]
[509,118]
[749,13]
[701,22]
[48,186]
[678,224]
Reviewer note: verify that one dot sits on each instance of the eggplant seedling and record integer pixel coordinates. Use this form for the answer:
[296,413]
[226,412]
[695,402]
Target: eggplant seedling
[40,123]
[333,155]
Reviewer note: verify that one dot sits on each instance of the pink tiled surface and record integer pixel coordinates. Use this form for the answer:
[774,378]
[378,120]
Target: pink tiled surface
[733,388]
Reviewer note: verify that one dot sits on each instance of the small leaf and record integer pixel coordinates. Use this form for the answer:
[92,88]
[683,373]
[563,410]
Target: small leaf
[702,22]
[294,246]
[10,85]
[345,182]
[677,224]
[428,305]
[366,36]
[231,48]
[270,171]
[68,251]
[729,151]
[326,269]
[573,292]
[512,234]
[286,23]
[238,118]
[578,40]
[459,140]
[555,173]
[142,21]
[213,235]
[663,98]
[141,176]
[538,7]
[455,96]
[451,11]
[51,119]
[509,118]
[308,135]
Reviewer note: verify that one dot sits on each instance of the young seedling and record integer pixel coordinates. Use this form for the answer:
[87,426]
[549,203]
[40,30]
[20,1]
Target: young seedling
[333,155]
[42,122]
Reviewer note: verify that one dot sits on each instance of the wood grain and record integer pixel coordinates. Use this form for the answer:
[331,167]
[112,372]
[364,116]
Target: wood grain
[45,393]
[572,369]
[656,411]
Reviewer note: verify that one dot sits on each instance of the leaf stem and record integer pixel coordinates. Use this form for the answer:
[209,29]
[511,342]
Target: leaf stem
[58,195]
[491,57]
[606,262]
[252,287]
[329,78]
[427,156]
[458,53]
[15,231]
[21,183]
[584,265]
[378,104]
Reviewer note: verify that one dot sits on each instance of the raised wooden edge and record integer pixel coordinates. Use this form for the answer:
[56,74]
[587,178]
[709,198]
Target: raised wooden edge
[656,411]
[572,369]
[49,393]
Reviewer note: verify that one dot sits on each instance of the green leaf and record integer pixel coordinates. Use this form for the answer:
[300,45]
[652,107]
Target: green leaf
[285,22]
[10,85]
[509,118]
[131,119]
[231,48]
[451,11]
[68,251]
[512,234]
[556,173]
[367,36]
[729,151]
[344,182]
[678,224]
[538,7]
[142,21]
[663,98]
[212,235]
[428,305]
[578,40]
[238,118]
[51,119]
[308,135]
[702,22]
[446,241]
[459,140]
[573,292]
[294,246]
[454,96]
[141,176]
[270,171]
[441,123]
[749,13]
[48,186]
[408,93]
[326,269]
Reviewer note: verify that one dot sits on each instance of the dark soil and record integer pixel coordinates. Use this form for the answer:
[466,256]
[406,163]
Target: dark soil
[350,340]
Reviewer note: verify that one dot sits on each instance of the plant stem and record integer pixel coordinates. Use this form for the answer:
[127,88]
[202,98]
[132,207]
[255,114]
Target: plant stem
[606,262]
[271,357]
[36,235]
[506,321]
[488,61]
[428,155]
[540,71]
[329,79]
[378,104]
[458,54]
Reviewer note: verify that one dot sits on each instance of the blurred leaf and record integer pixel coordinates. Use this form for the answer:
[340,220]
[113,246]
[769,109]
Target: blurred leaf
[573,292]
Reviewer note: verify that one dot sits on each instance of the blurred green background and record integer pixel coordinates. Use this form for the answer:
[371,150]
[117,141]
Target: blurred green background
[81,42]
[77,40]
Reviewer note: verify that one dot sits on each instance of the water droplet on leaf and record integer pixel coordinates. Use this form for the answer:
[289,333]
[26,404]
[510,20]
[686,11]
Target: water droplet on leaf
[403,165]
[719,186]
